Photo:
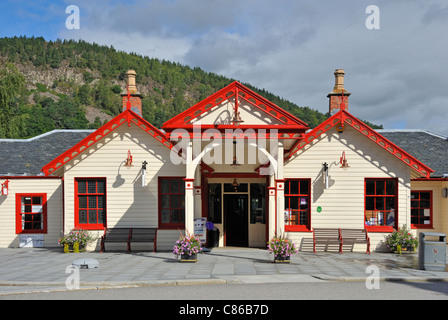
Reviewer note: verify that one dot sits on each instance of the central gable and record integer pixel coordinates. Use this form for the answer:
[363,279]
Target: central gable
[219,109]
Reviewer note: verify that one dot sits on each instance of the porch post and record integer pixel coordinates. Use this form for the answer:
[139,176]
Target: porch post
[189,191]
[280,191]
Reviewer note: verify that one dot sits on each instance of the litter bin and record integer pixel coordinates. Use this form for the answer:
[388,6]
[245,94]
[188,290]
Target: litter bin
[432,253]
[213,237]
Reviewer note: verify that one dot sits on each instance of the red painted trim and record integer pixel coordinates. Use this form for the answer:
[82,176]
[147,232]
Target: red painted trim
[88,226]
[234,89]
[382,228]
[19,213]
[345,117]
[127,116]
[299,228]
[431,202]
[168,226]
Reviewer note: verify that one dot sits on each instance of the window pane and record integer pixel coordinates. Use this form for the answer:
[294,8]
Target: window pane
[390,187]
[82,202]
[380,188]
[101,216]
[182,215]
[82,186]
[370,203]
[294,187]
[390,203]
[379,203]
[175,203]
[37,200]
[82,216]
[287,187]
[92,186]
[304,187]
[101,202]
[165,201]
[165,185]
[92,202]
[425,196]
[175,216]
[92,217]
[165,215]
[174,186]
[370,187]
[100,186]
[294,202]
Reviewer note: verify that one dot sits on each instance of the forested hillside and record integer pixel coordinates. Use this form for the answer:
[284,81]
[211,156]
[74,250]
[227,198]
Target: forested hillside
[46,85]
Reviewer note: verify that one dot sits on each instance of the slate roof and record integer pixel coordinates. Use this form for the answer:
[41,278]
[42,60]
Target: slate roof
[428,147]
[28,156]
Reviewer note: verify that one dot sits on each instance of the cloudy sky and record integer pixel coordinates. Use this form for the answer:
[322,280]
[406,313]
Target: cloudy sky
[397,74]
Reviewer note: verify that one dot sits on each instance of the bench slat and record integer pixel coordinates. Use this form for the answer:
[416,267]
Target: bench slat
[129,235]
[352,236]
[326,236]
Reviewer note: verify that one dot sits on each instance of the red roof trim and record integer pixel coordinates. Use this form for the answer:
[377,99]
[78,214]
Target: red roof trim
[127,116]
[183,120]
[345,117]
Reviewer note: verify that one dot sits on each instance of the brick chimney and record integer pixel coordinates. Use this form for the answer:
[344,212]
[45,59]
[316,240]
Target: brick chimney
[339,96]
[131,96]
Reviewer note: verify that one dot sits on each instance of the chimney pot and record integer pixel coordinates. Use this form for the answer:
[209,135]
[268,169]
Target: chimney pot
[339,96]
[131,94]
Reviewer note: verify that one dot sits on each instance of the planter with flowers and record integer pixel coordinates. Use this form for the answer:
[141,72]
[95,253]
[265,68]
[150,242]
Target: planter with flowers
[401,241]
[187,247]
[75,241]
[282,249]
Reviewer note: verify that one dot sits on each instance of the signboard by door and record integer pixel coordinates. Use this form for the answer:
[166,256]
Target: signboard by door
[200,231]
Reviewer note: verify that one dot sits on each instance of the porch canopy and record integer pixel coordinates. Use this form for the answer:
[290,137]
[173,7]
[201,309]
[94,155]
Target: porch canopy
[233,133]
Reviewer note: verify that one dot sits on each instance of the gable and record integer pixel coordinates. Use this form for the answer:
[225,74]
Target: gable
[126,117]
[218,110]
[345,118]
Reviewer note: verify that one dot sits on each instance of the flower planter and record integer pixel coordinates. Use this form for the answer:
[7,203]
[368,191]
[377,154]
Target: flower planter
[73,247]
[280,259]
[188,258]
[405,249]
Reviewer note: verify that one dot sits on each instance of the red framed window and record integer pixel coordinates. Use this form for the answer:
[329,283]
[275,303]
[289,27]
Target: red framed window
[90,203]
[421,209]
[171,202]
[297,204]
[381,204]
[31,213]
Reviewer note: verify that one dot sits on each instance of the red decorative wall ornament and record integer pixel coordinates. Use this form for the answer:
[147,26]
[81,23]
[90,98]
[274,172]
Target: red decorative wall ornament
[5,188]
[128,159]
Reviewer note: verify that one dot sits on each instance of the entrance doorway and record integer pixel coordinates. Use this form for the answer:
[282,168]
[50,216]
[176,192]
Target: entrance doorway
[236,220]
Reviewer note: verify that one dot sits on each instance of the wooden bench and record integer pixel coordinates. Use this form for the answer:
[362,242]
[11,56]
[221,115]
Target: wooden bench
[116,235]
[143,235]
[326,236]
[352,236]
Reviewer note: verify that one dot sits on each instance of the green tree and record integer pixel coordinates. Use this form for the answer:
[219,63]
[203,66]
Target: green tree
[11,84]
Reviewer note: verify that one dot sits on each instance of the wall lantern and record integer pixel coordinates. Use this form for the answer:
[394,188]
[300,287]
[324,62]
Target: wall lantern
[325,168]
[5,188]
[237,119]
[343,161]
[444,192]
[128,162]
[144,173]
